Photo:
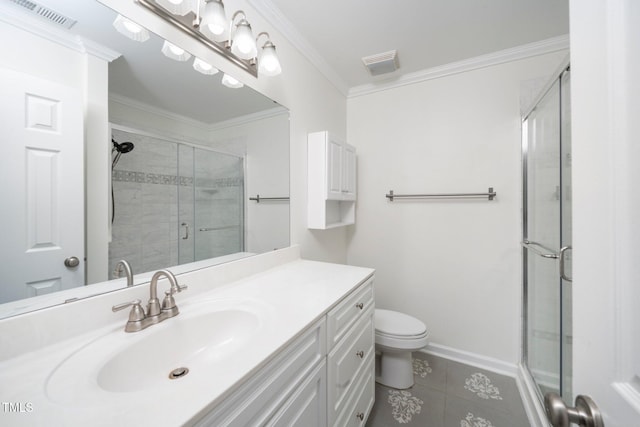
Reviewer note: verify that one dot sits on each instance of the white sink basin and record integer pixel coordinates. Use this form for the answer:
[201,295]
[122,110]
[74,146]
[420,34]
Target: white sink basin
[201,338]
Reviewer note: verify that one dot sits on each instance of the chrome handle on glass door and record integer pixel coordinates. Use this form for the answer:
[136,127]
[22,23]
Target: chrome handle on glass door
[186,234]
[563,263]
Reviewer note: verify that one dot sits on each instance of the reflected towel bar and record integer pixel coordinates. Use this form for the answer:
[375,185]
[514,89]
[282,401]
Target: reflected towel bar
[218,228]
[533,247]
[258,198]
[490,194]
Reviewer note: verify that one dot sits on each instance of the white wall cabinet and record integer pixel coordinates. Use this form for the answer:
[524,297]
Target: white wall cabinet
[331,181]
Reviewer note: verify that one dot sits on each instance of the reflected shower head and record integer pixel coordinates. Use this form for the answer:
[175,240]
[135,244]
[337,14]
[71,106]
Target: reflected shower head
[124,147]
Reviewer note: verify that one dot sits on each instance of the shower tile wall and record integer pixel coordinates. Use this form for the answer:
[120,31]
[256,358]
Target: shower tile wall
[153,199]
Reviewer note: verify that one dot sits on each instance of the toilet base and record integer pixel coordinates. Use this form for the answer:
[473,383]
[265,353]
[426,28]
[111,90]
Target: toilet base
[395,370]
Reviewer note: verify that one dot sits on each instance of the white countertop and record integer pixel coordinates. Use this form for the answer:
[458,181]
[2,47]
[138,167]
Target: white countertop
[291,297]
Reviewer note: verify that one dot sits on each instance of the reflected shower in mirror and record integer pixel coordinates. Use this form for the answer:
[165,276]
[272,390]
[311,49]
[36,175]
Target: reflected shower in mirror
[184,154]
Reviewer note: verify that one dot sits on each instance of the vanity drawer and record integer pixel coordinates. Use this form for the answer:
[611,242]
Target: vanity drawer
[358,408]
[347,361]
[346,314]
[258,399]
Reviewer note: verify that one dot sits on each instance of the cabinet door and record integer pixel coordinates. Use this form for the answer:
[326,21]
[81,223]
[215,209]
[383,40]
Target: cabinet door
[308,405]
[349,173]
[334,169]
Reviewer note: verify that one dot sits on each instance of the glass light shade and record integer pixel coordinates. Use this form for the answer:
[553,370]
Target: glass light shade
[177,7]
[174,52]
[130,29]
[243,44]
[214,21]
[231,82]
[204,67]
[268,63]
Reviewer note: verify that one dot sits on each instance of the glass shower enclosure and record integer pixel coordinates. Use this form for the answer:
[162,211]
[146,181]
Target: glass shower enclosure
[174,203]
[547,251]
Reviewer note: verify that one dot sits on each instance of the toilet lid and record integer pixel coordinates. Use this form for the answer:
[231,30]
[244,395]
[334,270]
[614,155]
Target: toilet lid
[398,324]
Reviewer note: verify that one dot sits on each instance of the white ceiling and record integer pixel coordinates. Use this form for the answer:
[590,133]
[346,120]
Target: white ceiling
[336,34]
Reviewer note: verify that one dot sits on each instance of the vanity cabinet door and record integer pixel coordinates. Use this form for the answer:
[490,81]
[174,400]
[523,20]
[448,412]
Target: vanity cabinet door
[257,401]
[308,405]
[342,317]
[358,408]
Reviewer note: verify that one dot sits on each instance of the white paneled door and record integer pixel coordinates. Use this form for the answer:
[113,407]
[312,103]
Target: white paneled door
[41,186]
[605,65]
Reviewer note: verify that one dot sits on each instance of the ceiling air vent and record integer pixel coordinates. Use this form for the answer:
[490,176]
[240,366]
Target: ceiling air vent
[45,13]
[381,63]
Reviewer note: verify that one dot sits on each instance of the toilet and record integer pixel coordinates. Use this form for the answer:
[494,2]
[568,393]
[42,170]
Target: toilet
[397,335]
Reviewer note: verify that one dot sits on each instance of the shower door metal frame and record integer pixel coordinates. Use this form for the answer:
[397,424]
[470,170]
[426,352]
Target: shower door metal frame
[556,77]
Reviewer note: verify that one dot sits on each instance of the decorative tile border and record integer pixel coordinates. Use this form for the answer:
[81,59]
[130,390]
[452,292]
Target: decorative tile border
[163,179]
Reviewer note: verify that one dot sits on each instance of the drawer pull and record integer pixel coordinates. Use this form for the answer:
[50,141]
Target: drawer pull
[360,415]
[359,305]
[360,354]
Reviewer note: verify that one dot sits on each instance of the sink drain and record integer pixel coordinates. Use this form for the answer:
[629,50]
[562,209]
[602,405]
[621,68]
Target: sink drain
[178,373]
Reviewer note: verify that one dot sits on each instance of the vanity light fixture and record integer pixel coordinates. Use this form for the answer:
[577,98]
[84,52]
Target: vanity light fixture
[174,52]
[204,67]
[231,82]
[233,39]
[268,62]
[130,29]
[242,42]
[177,7]
[214,21]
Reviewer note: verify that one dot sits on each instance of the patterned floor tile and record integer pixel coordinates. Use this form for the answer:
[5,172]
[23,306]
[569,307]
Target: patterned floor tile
[430,371]
[449,394]
[417,406]
[497,391]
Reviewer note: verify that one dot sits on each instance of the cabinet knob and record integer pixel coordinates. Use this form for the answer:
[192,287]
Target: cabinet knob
[360,354]
[360,416]
[359,305]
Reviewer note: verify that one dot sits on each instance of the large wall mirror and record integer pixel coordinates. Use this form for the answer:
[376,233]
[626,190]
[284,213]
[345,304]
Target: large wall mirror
[174,158]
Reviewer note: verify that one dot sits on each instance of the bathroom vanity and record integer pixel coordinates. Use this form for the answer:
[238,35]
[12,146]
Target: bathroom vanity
[266,340]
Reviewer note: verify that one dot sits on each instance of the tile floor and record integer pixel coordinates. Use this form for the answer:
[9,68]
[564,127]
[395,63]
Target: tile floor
[450,394]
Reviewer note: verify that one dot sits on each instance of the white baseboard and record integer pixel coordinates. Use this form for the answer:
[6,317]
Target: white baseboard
[473,359]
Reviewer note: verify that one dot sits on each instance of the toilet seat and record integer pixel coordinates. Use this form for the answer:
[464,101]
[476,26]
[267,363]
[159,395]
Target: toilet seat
[399,325]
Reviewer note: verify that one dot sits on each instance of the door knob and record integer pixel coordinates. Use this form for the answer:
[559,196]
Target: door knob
[71,262]
[585,413]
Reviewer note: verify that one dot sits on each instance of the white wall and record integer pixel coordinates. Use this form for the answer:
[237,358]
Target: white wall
[314,104]
[453,264]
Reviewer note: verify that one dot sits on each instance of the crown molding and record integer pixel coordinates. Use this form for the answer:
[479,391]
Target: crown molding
[274,16]
[11,15]
[207,127]
[542,47]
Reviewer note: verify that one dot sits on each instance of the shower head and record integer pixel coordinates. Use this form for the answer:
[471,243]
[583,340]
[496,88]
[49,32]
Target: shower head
[124,147]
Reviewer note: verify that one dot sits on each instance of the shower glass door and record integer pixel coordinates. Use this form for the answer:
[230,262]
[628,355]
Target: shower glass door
[211,204]
[547,240]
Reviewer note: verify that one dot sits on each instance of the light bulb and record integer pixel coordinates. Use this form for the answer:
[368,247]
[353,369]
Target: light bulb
[269,64]
[214,21]
[243,44]
[174,52]
[231,82]
[130,29]
[204,67]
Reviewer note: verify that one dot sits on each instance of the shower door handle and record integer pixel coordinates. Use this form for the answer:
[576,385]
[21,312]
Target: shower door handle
[584,414]
[563,275]
[186,231]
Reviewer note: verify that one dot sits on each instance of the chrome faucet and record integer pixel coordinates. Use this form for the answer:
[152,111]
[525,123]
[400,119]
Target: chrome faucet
[138,319]
[123,264]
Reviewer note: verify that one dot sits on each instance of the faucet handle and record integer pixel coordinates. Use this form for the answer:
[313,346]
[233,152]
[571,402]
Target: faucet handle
[137,312]
[179,288]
